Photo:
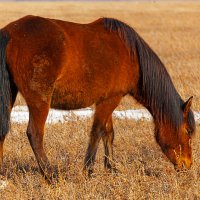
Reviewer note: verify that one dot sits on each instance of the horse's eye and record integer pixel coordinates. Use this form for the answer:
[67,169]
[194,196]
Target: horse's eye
[190,142]
[189,132]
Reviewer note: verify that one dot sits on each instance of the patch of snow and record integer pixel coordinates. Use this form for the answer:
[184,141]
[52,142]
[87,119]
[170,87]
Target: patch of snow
[137,114]
[20,115]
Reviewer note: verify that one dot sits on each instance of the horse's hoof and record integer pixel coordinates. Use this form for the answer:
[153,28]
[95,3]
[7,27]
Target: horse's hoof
[112,170]
[51,176]
[87,172]
[51,179]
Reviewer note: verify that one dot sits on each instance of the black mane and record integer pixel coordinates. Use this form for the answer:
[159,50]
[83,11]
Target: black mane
[155,88]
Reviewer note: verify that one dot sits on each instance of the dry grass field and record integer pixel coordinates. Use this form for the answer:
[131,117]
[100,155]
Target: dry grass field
[172,30]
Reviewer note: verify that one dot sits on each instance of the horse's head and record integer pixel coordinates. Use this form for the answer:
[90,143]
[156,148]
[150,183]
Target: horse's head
[176,144]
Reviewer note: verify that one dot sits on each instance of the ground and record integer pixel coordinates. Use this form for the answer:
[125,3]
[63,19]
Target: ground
[172,30]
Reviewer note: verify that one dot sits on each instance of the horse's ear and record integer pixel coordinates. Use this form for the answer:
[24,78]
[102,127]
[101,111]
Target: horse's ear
[187,105]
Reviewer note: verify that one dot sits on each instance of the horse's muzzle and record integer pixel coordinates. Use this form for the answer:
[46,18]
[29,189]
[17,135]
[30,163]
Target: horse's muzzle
[186,165]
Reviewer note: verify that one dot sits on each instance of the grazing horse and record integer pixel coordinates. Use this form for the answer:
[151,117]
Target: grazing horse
[64,65]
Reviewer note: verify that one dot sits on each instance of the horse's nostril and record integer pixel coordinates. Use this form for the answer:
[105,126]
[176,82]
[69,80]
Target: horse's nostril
[176,168]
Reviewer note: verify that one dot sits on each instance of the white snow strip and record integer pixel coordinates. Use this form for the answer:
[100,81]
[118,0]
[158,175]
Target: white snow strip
[197,116]
[20,115]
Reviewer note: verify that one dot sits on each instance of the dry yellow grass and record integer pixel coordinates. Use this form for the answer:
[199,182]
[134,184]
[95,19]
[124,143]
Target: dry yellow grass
[172,30]
[145,173]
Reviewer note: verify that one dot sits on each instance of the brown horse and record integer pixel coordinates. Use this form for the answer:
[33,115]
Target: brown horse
[64,65]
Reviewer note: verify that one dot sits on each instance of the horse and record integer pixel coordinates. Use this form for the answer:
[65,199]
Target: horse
[64,65]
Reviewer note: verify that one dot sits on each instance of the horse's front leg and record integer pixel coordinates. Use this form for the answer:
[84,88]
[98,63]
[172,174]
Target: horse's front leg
[102,128]
[95,136]
[108,139]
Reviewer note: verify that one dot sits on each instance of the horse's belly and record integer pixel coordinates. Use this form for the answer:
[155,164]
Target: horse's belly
[68,100]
